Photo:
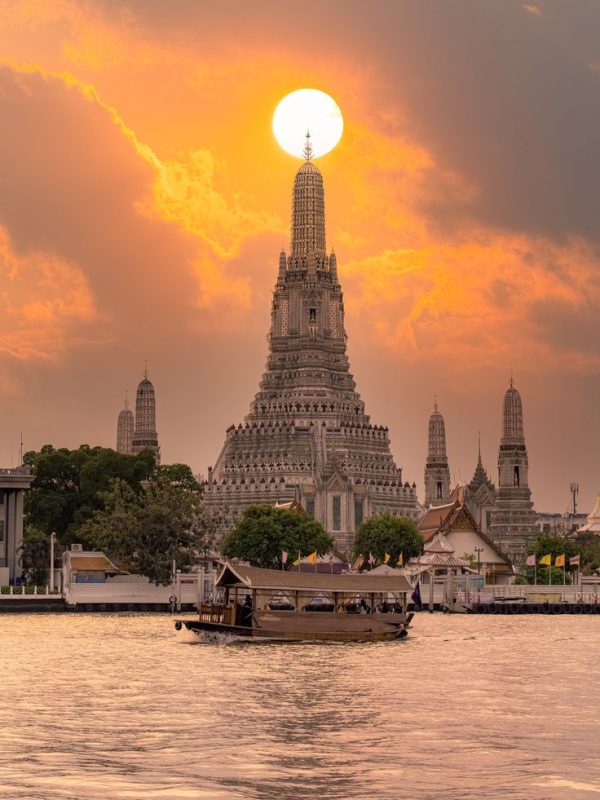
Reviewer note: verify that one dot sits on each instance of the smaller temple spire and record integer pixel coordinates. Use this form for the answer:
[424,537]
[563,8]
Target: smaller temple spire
[308,151]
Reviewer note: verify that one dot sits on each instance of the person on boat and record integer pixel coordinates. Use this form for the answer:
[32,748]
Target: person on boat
[247,611]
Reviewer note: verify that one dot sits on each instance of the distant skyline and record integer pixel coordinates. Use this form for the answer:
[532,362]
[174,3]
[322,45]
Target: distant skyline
[144,202]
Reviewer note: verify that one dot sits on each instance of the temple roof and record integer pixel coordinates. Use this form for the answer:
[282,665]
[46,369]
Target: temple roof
[593,519]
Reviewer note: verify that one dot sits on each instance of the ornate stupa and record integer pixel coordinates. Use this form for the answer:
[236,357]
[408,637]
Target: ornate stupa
[437,471]
[307,436]
[145,436]
[480,494]
[513,520]
[125,428]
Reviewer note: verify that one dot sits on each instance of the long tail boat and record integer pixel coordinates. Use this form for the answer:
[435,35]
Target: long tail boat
[292,606]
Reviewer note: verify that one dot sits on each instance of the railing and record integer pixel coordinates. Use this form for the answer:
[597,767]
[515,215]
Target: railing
[28,591]
[210,612]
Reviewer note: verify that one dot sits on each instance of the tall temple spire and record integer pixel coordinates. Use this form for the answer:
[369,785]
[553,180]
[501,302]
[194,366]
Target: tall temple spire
[125,427]
[308,210]
[513,521]
[308,151]
[145,436]
[307,436]
[437,471]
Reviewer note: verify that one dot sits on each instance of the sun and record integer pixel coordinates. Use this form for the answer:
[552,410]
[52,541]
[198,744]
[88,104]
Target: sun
[308,110]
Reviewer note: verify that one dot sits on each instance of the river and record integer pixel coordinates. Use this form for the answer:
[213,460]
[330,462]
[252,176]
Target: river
[122,706]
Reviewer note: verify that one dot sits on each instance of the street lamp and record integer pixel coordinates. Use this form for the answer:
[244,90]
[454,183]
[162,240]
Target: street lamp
[479,551]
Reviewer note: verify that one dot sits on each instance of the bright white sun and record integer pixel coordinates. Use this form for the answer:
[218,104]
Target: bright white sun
[308,110]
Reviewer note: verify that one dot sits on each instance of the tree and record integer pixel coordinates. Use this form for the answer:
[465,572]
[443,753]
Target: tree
[70,485]
[147,532]
[35,555]
[388,534]
[552,544]
[588,545]
[264,532]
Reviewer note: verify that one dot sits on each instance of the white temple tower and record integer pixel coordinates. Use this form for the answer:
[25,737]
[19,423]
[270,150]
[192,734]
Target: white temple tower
[513,520]
[125,428]
[437,472]
[145,436]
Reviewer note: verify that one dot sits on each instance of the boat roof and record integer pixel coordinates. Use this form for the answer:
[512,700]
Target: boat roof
[275,579]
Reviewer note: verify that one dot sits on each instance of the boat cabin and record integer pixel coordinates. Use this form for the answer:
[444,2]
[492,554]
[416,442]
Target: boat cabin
[245,591]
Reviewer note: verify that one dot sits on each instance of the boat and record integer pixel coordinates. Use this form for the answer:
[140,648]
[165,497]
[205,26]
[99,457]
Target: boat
[293,606]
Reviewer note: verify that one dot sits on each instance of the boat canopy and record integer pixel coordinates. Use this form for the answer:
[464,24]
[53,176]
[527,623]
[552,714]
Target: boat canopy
[277,580]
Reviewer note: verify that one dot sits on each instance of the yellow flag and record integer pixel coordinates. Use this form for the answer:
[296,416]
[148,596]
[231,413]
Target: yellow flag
[560,561]
[400,560]
[546,560]
[296,563]
[312,558]
[386,558]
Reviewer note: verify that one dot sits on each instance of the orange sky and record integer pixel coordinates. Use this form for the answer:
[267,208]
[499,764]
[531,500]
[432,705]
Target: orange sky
[144,202]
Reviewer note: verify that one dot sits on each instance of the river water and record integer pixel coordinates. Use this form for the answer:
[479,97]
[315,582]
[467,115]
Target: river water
[122,706]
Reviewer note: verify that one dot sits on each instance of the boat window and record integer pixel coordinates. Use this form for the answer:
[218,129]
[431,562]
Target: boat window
[280,602]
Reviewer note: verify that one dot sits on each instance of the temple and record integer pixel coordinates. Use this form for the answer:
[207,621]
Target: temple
[513,520]
[125,428]
[437,471]
[137,433]
[307,436]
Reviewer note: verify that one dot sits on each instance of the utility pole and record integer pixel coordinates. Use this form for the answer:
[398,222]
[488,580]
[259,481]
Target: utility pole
[574,487]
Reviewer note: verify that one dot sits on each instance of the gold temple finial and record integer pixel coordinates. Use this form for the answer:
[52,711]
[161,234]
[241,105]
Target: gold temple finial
[308,151]
[511,379]
[435,404]
[146,369]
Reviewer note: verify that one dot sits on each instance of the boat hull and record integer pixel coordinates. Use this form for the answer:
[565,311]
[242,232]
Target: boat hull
[290,626]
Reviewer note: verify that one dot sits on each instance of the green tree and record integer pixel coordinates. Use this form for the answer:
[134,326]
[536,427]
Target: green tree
[146,532]
[264,532]
[588,546]
[388,534]
[179,474]
[34,555]
[555,545]
[69,485]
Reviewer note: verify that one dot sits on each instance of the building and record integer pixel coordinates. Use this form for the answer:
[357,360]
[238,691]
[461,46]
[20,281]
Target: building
[513,520]
[125,428]
[480,495]
[592,523]
[13,485]
[437,472]
[137,433]
[307,435]
[462,540]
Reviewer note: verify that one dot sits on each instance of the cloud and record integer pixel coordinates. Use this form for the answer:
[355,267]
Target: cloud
[494,299]
[42,303]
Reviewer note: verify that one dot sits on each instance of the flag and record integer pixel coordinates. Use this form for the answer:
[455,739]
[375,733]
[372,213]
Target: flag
[530,560]
[296,563]
[284,556]
[386,558]
[416,597]
[371,559]
[574,561]
[400,560]
[560,561]
[312,558]
[546,560]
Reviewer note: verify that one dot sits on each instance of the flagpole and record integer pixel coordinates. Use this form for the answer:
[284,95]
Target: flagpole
[535,573]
